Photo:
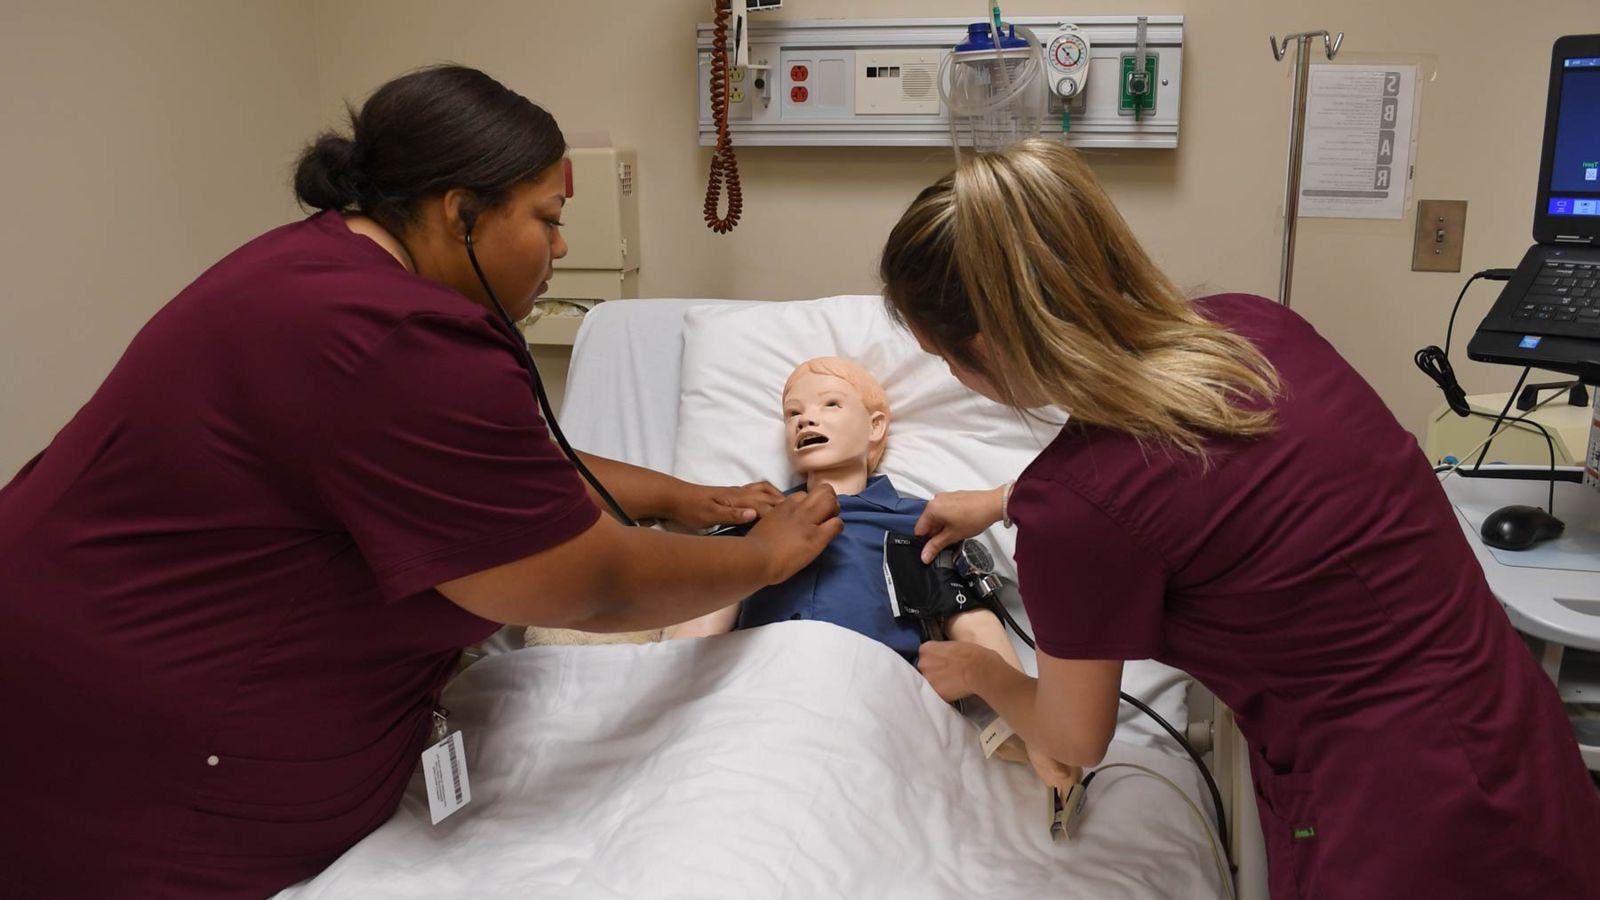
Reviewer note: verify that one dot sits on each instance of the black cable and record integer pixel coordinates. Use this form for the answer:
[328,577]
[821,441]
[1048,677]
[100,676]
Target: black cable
[1449,331]
[1136,703]
[1550,505]
[1435,361]
[1486,275]
[1211,783]
[526,358]
[1495,428]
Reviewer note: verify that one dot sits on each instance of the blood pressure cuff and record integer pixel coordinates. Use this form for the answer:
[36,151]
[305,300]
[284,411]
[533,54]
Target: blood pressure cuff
[924,593]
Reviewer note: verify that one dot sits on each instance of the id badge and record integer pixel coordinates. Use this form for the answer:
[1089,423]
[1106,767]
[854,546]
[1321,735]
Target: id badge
[444,770]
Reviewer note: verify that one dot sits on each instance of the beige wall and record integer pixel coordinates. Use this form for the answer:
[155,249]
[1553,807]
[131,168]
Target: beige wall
[141,141]
[175,176]
[1210,211]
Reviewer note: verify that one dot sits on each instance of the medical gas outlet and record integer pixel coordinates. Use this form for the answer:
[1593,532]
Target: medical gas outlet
[1137,96]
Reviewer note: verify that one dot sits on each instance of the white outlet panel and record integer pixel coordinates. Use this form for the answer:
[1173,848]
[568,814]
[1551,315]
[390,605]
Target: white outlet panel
[814,92]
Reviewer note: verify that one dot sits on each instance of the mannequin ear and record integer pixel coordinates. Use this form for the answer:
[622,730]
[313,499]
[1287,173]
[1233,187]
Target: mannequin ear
[880,426]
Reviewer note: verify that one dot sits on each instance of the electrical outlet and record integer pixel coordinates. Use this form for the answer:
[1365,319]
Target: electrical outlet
[736,94]
[1441,232]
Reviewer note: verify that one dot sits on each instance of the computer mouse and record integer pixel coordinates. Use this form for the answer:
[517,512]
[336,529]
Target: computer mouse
[1520,527]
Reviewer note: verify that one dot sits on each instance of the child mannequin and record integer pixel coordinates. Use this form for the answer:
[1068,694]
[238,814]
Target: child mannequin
[836,419]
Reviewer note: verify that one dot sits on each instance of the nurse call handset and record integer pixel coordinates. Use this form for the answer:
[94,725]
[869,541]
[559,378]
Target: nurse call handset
[724,165]
[1068,61]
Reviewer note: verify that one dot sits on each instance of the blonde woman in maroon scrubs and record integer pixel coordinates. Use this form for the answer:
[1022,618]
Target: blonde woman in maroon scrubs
[233,586]
[1232,499]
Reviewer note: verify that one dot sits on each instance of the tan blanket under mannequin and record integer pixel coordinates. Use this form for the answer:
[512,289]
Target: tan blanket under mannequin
[540,637]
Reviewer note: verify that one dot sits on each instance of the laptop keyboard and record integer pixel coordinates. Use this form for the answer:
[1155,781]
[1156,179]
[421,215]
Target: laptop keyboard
[1567,293]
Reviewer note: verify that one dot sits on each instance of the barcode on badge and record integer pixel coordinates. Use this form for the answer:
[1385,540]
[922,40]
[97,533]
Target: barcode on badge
[455,769]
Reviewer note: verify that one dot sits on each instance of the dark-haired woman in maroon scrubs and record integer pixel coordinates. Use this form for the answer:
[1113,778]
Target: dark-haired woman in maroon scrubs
[233,586]
[1231,498]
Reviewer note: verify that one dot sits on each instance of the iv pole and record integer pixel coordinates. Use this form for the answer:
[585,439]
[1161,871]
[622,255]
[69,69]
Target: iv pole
[1297,138]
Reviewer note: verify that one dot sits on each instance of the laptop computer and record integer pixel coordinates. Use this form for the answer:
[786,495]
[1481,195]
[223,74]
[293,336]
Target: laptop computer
[1548,315]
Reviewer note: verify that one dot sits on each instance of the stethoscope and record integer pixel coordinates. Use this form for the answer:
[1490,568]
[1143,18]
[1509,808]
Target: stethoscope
[469,219]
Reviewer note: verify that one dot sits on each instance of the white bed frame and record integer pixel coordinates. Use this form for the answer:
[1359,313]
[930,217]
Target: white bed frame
[1214,733]
[652,333]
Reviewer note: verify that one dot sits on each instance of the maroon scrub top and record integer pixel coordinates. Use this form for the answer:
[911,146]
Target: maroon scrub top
[1405,742]
[219,640]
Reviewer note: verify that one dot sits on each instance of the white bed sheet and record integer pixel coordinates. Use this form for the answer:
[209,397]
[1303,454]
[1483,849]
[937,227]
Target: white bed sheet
[794,761]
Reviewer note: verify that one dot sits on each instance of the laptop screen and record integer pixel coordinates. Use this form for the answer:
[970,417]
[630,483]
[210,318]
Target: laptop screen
[1574,187]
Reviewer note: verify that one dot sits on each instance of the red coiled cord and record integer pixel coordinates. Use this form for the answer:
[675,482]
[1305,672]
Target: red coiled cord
[724,168]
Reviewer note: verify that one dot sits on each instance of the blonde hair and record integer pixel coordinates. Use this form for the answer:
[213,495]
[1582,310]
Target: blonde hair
[1023,247]
[872,394]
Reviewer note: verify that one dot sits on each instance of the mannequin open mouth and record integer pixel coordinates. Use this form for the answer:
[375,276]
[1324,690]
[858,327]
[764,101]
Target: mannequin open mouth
[810,439]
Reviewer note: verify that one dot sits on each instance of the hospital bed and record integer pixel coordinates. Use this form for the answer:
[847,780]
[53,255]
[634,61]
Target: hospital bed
[799,759]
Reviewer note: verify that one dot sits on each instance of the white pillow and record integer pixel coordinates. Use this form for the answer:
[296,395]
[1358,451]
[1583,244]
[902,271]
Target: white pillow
[942,436]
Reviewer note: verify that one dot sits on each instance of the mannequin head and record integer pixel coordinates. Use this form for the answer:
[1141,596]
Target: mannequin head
[836,423]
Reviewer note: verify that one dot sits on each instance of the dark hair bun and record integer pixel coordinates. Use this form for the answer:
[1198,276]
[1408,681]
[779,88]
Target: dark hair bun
[326,176]
[425,133]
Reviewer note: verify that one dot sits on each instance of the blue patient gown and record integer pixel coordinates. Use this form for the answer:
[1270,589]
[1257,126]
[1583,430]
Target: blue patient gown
[845,585]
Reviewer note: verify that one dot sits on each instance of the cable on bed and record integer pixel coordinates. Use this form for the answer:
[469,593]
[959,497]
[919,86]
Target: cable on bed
[1224,872]
[1136,703]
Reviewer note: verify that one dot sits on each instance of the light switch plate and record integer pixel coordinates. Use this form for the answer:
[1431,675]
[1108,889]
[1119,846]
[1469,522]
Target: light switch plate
[1441,232]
